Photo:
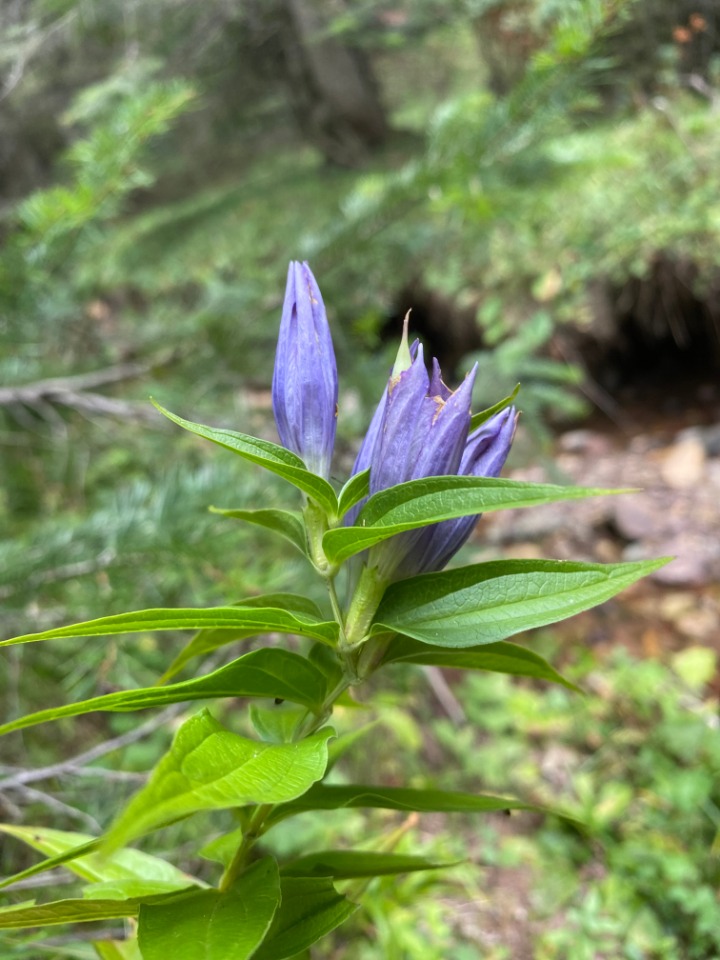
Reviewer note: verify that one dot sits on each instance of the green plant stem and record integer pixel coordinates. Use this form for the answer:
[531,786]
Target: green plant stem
[368,594]
[242,854]
[312,722]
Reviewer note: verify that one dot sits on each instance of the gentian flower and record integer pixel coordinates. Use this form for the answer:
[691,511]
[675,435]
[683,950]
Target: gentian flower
[305,385]
[421,430]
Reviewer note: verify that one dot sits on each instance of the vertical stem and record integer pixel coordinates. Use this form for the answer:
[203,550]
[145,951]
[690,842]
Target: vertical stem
[367,596]
[242,854]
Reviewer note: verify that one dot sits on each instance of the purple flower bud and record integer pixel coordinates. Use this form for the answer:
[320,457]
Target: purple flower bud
[420,429]
[305,385]
[485,454]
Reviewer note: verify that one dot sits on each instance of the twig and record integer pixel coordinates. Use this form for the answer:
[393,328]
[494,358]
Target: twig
[71,766]
[446,698]
[31,48]
[50,877]
[32,795]
[77,392]
[67,571]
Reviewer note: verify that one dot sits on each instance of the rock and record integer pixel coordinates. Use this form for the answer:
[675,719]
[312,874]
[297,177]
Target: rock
[684,464]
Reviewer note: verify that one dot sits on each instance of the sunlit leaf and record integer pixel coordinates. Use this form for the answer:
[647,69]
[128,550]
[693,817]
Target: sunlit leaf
[310,909]
[272,457]
[493,657]
[213,924]
[324,797]
[349,864]
[205,641]
[478,419]
[354,490]
[270,672]
[289,524]
[122,865]
[487,602]
[419,503]
[244,618]
[211,768]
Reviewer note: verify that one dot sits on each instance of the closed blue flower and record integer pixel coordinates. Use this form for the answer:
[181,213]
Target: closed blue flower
[420,429]
[305,384]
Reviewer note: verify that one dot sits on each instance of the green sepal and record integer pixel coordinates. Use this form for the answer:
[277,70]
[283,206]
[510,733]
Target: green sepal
[479,418]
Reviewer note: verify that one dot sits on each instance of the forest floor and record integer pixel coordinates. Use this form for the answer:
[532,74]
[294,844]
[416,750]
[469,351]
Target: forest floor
[673,459]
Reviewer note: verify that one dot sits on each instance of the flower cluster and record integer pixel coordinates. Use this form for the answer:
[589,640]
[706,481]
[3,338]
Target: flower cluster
[420,429]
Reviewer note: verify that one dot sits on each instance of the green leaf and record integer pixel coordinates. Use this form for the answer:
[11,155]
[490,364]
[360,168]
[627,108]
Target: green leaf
[287,523]
[213,924]
[487,602]
[350,864]
[276,722]
[478,419]
[65,911]
[210,768]
[357,487]
[205,641]
[418,503]
[58,860]
[121,866]
[129,889]
[270,672]
[272,457]
[310,909]
[117,949]
[346,741]
[324,797]
[257,619]
[494,657]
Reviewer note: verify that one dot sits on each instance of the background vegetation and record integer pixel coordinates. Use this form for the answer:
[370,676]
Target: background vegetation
[539,180]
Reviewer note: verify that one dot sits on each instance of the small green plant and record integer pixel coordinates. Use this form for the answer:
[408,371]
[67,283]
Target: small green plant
[426,470]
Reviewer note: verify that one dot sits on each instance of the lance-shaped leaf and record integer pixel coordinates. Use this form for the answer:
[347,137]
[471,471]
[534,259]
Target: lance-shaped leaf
[242,618]
[205,641]
[352,864]
[269,455]
[288,523]
[353,492]
[270,672]
[58,860]
[494,657]
[211,768]
[419,503]
[487,602]
[139,873]
[324,797]
[310,908]
[213,924]
[478,419]
[25,916]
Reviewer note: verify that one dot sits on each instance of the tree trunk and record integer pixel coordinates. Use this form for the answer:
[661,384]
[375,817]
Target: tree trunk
[332,89]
